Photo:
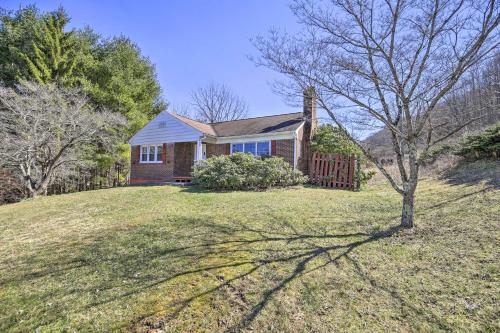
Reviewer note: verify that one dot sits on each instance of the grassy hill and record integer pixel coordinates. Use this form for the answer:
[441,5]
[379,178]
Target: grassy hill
[179,259]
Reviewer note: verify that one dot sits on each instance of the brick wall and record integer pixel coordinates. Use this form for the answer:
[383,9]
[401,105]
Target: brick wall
[180,158]
[151,172]
[302,152]
[284,148]
[218,149]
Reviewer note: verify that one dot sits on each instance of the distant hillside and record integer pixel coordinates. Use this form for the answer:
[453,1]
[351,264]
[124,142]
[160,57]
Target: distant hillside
[476,96]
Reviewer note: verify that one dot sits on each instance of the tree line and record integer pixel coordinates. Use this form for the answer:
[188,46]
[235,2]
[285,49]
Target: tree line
[69,100]
[474,102]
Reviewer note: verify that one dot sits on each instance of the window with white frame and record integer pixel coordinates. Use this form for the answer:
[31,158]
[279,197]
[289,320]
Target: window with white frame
[152,154]
[259,148]
[250,148]
[237,148]
[159,153]
[264,148]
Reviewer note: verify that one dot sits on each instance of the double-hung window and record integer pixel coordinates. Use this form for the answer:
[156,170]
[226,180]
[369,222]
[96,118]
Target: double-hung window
[152,154]
[259,148]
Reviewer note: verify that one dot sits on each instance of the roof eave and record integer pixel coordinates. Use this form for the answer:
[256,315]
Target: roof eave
[274,135]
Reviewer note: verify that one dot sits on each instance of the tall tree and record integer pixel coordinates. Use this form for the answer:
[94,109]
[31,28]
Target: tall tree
[52,56]
[44,129]
[386,63]
[17,32]
[125,81]
[47,53]
[216,102]
[113,72]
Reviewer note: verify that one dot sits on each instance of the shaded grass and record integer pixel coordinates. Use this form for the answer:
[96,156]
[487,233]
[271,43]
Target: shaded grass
[296,260]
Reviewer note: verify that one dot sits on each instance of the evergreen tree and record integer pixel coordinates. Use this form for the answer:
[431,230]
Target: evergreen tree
[17,32]
[112,72]
[36,47]
[332,140]
[125,81]
[52,56]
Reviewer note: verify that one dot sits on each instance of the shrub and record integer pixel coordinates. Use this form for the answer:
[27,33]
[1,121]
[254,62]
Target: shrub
[245,172]
[331,140]
[11,188]
[436,152]
[482,145]
[364,176]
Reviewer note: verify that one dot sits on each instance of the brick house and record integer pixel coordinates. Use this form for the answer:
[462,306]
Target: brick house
[166,148]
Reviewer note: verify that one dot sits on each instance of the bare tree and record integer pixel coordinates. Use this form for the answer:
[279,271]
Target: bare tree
[475,96]
[45,128]
[385,63]
[216,102]
[182,110]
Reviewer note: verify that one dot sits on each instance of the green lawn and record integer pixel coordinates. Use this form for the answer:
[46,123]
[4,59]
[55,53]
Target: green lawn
[296,260]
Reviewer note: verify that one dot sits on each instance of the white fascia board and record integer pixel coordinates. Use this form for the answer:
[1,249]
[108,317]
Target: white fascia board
[256,137]
[189,125]
[298,128]
[209,139]
[295,150]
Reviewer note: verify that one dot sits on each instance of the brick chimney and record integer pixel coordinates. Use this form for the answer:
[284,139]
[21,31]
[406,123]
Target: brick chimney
[311,122]
[310,112]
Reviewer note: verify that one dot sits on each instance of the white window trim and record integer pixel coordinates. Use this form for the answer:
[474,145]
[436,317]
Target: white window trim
[148,154]
[250,141]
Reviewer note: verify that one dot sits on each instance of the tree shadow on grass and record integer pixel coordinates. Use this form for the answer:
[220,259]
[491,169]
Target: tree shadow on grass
[112,268]
[459,198]
[146,257]
[301,269]
[301,259]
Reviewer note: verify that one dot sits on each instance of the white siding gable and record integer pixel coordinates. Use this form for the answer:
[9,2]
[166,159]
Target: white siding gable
[165,128]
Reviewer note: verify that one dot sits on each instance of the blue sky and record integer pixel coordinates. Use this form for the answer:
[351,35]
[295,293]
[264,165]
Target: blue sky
[191,42]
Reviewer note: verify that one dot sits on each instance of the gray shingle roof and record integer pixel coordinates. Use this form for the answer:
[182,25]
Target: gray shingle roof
[260,125]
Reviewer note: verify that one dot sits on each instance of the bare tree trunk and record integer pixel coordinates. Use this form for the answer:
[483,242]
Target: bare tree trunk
[410,186]
[29,188]
[408,208]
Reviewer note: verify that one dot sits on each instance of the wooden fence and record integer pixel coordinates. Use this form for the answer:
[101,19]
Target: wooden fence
[334,171]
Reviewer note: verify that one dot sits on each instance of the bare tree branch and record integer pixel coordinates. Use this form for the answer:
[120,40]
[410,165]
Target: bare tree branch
[216,102]
[395,60]
[43,128]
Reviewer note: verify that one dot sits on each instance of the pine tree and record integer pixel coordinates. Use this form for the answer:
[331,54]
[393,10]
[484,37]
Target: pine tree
[52,55]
